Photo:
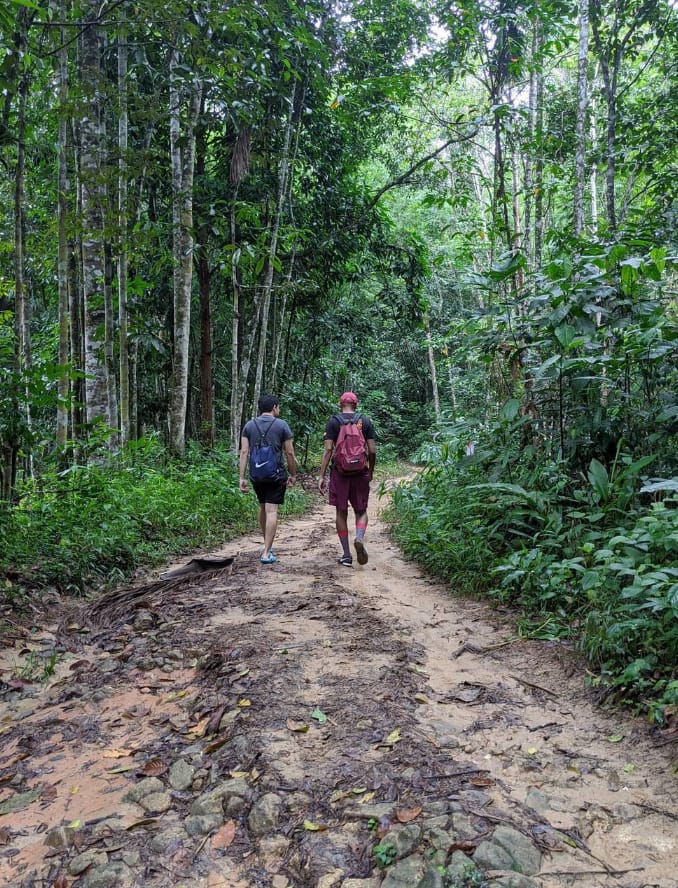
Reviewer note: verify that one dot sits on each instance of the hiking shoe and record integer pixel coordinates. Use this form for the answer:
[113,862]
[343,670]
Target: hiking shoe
[346,560]
[360,551]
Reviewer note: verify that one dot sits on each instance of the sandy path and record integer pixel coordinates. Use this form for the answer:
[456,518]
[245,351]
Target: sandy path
[327,689]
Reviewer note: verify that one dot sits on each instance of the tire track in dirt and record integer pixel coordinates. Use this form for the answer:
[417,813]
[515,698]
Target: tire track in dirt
[319,705]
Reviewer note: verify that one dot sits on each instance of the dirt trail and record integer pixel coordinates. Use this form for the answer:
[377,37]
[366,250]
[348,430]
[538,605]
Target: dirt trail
[271,725]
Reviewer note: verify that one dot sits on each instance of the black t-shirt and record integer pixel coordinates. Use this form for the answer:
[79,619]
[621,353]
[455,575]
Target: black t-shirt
[334,424]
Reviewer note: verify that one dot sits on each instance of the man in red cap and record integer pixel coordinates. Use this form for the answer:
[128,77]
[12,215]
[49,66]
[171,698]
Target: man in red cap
[349,486]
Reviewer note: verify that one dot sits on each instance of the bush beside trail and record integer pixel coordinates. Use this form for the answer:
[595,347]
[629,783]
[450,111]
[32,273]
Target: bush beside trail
[95,525]
[593,563]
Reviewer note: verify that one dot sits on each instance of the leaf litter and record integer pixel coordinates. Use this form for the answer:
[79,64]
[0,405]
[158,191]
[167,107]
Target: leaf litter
[337,701]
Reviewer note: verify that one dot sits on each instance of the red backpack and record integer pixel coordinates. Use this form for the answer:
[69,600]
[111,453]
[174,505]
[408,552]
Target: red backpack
[350,451]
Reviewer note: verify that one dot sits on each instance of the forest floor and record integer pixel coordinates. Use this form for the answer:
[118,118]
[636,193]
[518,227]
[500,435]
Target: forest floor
[310,725]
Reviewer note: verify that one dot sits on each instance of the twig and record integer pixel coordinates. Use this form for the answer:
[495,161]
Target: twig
[536,687]
[661,811]
[201,846]
[600,872]
[461,773]
[476,649]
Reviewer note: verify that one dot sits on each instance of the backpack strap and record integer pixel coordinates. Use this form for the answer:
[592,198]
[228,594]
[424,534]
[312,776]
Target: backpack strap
[263,435]
[353,418]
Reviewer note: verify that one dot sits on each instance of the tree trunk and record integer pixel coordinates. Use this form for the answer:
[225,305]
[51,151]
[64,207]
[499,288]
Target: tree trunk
[539,167]
[123,332]
[22,307]
[182,147]
[593,180]
[528,239]
[96,381]
[434,374]
[238,376]
[109,347]
[207,431]
[580,124]
[63,210]
[283,173]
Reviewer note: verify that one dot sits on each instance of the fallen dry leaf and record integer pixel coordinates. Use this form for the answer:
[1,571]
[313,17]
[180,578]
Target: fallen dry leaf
[467,846]
[135,712]
[116,753]
[481,781]
[393,738]
[405,815]
[224,836]
[300,727]
[153,768]
[217,744]
[215,720]
[198,729]
[49,792]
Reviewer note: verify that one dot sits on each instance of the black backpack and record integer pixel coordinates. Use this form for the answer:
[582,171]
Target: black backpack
[263,461]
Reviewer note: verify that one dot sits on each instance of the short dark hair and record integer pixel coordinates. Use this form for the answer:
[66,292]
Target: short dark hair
[267,403]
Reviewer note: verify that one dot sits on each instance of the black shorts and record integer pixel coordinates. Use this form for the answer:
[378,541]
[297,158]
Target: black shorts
[270,491]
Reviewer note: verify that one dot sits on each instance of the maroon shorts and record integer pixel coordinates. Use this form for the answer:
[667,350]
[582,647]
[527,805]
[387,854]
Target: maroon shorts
[353,489]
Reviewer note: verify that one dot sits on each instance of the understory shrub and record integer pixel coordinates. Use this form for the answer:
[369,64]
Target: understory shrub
[90,525]
[591,562]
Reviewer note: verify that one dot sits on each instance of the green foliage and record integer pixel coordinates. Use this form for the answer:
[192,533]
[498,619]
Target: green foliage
[91,525]
[440,523]
[384,854]
[591,558]
[471,877]
[37,668]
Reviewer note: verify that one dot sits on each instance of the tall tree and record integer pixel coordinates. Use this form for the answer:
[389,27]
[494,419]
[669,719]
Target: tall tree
[92,214]
[184,107]
[580,124]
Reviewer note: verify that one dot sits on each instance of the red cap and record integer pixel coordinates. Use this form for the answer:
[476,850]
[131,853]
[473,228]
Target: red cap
[348,398]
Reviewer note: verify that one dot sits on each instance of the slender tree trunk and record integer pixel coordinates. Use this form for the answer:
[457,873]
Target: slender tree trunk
[22,307]
[528,238]
[109,346]
[434,374]
[96,381]
[207,431]
[593,180]
[500,211]
[287,288]
[283,173]
[281,324]
[516,242]
[610,172]
[123,328]
[77,328]
[63,210]
[539,168]
[182,146]
[580,124]
[238,376]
